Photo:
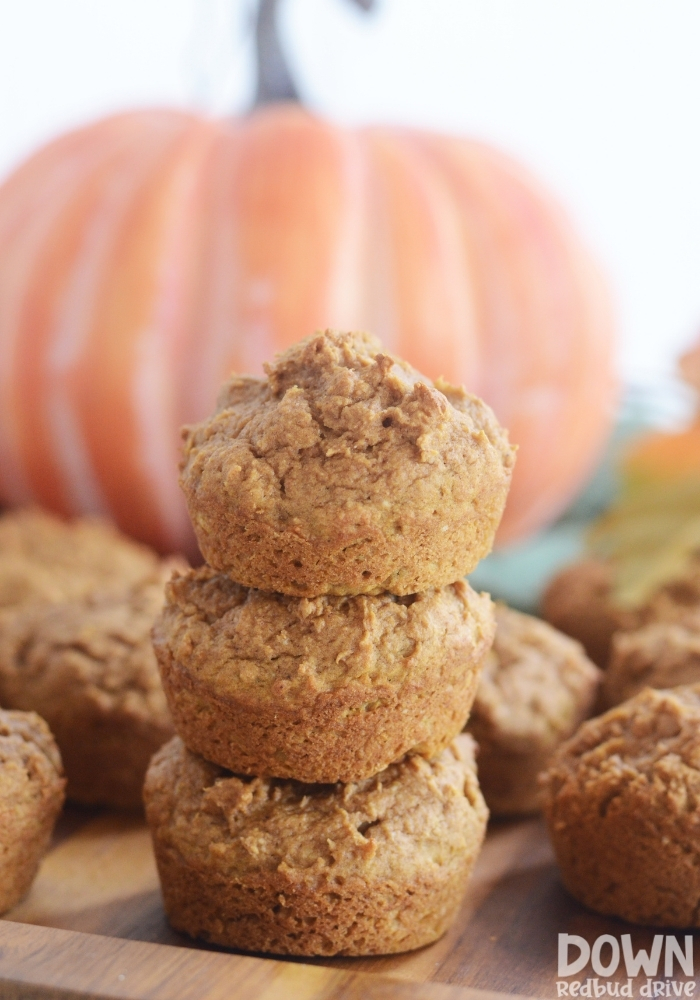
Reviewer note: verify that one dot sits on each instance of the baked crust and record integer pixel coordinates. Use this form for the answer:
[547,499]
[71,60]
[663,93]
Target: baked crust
[536,687]
[345,471]
[323,690]
[367,868]
[88,667]
[31,796]
[621,802]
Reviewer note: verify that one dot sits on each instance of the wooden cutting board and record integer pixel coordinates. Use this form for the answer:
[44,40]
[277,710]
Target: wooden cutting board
[93,924]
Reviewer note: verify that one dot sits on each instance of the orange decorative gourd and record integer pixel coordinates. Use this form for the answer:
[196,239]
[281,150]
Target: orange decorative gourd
[146,256]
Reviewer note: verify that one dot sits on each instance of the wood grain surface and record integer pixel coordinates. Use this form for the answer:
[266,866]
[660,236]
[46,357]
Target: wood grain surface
[99,879]
[41,962]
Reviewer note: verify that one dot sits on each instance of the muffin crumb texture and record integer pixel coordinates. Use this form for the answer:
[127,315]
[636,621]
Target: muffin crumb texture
[87,666]
[44,559]
[319,690]
[536,687]
[31,797]
[369,867]
[345,471]
[621,802]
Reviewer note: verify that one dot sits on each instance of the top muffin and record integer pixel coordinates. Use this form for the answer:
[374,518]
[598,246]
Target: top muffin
[345,471]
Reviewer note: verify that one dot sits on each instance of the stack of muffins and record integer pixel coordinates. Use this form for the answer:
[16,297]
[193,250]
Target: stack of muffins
[320,665]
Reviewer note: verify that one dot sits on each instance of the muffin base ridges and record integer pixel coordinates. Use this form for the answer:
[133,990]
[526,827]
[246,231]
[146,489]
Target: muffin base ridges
[323,917]
[346,736]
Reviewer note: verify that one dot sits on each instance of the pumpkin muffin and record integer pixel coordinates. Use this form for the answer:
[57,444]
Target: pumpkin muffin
[345,471]
[88,667]
[367,868]
[621,802]
[536,687]
[663,654]
[31,796]
[578,601]
[323,690]
[43,558]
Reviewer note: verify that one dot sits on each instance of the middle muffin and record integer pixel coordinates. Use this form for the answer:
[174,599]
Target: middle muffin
[321,689]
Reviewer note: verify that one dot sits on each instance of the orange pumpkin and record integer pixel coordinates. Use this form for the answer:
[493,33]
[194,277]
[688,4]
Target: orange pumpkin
[146,256]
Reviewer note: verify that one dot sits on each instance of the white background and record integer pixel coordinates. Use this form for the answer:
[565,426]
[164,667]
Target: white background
[600,98]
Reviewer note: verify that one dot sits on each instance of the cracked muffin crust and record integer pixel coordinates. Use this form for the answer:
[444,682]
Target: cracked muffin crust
[88,667]
[536,687]
[43,558]
[366,868]
[319,690]
[345,471]
[622,802]
[31,796]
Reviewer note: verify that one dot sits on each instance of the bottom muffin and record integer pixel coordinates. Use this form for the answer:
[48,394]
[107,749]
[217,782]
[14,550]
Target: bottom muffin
[273,865]
[31,796]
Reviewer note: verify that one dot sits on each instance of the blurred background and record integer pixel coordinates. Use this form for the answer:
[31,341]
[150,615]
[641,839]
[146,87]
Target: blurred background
[598,99]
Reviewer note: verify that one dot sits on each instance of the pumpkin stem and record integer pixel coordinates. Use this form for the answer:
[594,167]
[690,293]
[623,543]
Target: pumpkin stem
[274,82]
[274,79]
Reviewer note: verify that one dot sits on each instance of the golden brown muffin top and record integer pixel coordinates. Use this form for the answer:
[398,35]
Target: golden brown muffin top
[536,685]
[96,647]
[342,439]
[648,748]
[345,395]
[46,559]
[30,764]
[287,648]
[411,817]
